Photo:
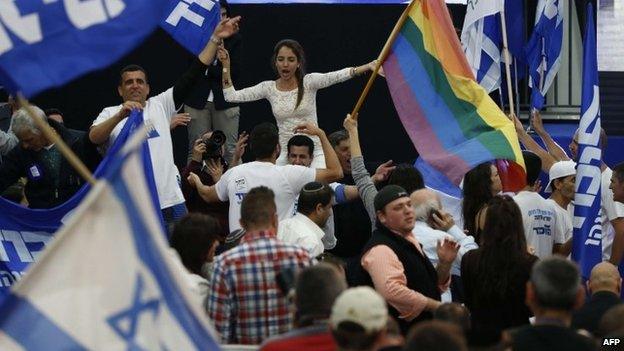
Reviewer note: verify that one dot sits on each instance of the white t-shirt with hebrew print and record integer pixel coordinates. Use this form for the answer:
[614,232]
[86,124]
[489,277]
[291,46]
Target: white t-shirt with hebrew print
[541,227]
[564,218]
[285,181]
[157,112]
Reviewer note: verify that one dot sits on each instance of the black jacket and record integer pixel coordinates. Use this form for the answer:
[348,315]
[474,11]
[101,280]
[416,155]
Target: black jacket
[588,317]
[42,191]
[211,80]
[420,273]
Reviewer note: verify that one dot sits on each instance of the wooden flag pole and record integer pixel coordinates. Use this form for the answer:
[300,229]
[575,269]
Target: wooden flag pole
[382,57]
[51,135]
[512,109]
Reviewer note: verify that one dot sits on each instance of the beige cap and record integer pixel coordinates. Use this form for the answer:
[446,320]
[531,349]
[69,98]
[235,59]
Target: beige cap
[361,305]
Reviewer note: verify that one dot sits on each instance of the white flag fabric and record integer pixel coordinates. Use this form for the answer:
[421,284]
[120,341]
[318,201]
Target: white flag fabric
[107,281]
[481,39]
[478,9]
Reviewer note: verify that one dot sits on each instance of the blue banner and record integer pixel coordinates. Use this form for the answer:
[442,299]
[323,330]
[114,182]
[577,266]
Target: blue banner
[24,232]
[587,237]
[191,23]
[543,51]
[45,44]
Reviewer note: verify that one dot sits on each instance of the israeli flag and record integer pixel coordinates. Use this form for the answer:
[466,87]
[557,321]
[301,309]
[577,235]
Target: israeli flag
[543,51]
[107,281]
[587,237]
[481,38]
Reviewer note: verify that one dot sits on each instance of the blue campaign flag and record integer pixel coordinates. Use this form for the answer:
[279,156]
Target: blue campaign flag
[587,237]
[543,51]
[191,23]
[109,281]
[24,232]
[44,44]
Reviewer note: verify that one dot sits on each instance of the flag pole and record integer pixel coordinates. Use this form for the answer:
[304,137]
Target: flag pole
[507,58]
[382,57]
[51,135]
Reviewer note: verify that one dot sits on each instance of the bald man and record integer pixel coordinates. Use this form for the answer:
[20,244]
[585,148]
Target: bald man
[605,285]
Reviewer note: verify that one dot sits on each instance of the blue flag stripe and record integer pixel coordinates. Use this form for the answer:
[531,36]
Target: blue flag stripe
[148,252]
[32,329]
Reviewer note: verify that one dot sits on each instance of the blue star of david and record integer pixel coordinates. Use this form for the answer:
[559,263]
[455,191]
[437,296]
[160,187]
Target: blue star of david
[133,313]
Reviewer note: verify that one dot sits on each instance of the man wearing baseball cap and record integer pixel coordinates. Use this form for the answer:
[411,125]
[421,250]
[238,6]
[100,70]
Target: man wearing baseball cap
[393,261]
[561,183]
[358,319]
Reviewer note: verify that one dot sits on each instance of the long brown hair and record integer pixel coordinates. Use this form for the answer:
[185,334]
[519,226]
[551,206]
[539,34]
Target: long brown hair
[297,49]
[503,247]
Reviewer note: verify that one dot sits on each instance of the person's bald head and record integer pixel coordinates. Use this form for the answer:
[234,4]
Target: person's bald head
[605,277]
[424,202]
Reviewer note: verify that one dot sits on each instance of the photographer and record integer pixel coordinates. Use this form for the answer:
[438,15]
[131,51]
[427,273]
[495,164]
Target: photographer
[208,163]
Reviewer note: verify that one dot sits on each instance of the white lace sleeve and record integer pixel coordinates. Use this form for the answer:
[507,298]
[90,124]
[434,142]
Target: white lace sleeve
[317,81]
[257,92]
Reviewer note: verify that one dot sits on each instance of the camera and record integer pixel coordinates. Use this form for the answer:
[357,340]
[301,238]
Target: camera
[213,145]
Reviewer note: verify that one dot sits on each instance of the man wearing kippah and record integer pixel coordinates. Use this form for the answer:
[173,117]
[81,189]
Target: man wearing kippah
[393,261]
[305,228]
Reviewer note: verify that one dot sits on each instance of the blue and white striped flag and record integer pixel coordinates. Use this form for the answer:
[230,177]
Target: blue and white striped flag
[587,237]
[481,38]
[108,281]
[543,51]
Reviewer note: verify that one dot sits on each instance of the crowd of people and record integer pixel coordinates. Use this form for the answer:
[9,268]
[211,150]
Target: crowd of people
[303,249]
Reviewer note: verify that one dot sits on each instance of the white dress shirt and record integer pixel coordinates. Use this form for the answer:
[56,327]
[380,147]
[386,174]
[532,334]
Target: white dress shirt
[300,230]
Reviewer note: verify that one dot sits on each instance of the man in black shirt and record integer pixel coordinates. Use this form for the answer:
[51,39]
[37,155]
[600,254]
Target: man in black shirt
[605,285]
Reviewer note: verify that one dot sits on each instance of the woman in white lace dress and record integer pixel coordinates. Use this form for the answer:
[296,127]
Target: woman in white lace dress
[292,95]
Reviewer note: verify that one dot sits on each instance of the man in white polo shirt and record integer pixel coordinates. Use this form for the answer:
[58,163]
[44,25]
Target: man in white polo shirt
[285,181]
[157,112]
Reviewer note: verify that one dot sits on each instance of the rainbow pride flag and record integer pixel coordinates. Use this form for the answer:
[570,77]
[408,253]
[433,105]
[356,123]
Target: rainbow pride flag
[451,119]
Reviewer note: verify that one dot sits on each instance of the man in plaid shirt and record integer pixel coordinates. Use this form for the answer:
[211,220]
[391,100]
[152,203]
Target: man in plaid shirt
[246,304]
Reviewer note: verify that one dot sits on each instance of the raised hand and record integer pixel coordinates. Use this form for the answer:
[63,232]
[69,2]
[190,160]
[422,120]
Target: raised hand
[227,27]
[447,250]
[215,169]
[223,56]
[383,171]
[241,144]
[350,123]
[518,125]
[537,123]
[309,128]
